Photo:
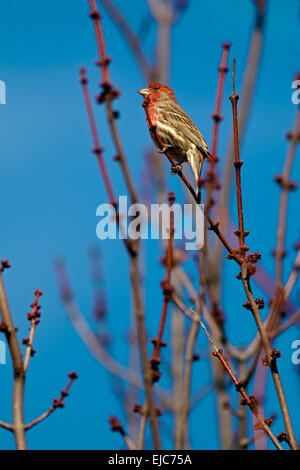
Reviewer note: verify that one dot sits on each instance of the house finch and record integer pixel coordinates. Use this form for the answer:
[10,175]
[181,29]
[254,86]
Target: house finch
[172,130]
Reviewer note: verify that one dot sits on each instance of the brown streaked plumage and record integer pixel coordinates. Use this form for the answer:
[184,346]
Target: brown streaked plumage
[170,126]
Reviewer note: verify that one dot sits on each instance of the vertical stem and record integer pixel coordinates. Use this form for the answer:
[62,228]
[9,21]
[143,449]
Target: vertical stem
[219,99]
[271,359]
[182,424]
[166,284]
[142,340]
[133,246]
[249,82]
[19,373]
[178,346]
[237,163]
[243,422]
[283,204]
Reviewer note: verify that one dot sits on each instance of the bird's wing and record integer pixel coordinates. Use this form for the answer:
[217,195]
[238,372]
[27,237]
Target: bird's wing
[183,124]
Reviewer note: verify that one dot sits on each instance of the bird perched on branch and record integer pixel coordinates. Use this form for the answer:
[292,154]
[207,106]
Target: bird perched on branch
[173,131]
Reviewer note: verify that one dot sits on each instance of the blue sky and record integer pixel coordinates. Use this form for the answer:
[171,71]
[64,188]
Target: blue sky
[50,188]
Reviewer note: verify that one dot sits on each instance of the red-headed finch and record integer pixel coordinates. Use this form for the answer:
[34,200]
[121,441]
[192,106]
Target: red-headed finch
[172,130]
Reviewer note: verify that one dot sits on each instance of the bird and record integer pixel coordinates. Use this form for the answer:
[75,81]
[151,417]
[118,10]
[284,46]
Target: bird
[173,131]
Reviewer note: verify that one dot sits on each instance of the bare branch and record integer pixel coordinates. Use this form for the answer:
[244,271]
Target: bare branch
[33,317]
[19,373]
[130,37]
[246,271]
[116,426]
[286,187]
[249,401]
[87,335]
[7,426]
[57,403]
[248,86]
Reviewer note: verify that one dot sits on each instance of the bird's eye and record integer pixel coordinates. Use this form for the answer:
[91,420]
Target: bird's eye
[156,88]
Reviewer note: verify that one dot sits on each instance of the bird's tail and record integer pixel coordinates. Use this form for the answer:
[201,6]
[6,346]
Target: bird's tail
[196,161]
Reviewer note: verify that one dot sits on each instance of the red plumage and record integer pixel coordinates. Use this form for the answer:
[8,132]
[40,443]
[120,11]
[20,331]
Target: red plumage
[172,130]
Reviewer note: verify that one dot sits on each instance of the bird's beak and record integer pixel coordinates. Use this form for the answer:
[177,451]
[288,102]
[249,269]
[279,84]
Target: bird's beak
[144,91]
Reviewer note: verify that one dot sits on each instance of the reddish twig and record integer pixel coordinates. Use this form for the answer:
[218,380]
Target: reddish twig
[246,271]
[167,291]
[238,164]
[98,150]
[217,117]
[211,174]
[104,60]
[279,301]
[194,316]
[116,426]
[57,403]
[212,269]
[33,317]
[250,401]
[108,94]
[249,82]
[131,38]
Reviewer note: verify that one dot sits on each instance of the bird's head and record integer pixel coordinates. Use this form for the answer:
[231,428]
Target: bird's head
[156,91]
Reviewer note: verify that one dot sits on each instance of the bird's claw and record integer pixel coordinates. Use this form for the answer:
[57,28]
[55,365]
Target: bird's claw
[164,148]
[175,169]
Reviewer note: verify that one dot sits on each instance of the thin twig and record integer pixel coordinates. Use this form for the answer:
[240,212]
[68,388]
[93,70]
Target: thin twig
[109,93]
[280,329]
[130,37]
[182,425]
[286,187]
[211,174]
[249,81]
[142,338]
[249,401]
[167,291]
[116,426]
[182,438]
[163,13]
[33,317]
[238,164]
[7,426]
[178,341]
[57,403]
[144,416]
[98,151]
[89,338]
[245,277]
[248,86]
